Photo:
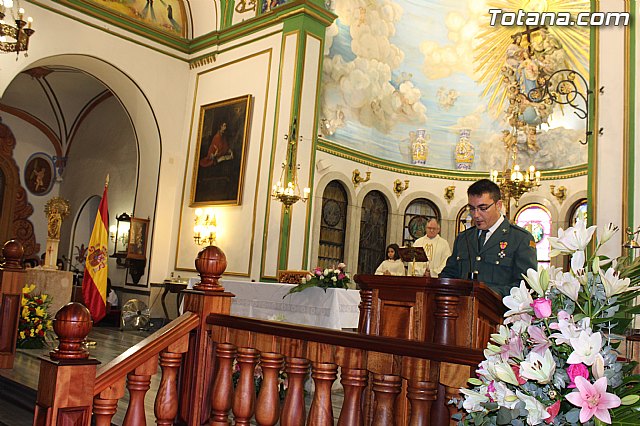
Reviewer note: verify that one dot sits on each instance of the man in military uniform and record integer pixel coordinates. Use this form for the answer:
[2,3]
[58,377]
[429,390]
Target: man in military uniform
[493,251]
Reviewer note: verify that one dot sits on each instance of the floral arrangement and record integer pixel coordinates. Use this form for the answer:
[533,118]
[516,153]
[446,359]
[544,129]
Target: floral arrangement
[555,359]
[324,278]
[35,321]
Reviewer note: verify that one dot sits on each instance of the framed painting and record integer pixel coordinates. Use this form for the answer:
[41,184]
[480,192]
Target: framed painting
[221,147]
[39,174]
[137,247]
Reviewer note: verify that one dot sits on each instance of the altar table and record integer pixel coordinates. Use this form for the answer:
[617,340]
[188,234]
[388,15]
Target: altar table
[337,308]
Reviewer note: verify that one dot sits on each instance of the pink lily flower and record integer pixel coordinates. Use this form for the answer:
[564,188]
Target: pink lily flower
[593,399]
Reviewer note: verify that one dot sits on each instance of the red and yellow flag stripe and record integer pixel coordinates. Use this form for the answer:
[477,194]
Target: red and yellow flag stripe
[94,282]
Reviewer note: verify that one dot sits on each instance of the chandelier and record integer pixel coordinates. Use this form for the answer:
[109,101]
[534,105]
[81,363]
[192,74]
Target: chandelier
[14,37]
[205,228]
[514,183]
[287,190]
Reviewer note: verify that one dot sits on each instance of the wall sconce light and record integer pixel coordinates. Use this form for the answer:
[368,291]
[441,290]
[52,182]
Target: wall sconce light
[631,242]
[398,188]
[357,179]
[449,193]
[560,194]
[205,228]
[119,234]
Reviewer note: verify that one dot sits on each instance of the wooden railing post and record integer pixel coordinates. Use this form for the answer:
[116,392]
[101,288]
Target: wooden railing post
[11,283]
[207,297]
[67,378]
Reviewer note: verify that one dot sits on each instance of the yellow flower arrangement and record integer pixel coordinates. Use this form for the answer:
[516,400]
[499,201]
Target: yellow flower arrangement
[35,321]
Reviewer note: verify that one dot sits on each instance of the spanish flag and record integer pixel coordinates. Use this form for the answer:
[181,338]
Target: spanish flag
[94,282]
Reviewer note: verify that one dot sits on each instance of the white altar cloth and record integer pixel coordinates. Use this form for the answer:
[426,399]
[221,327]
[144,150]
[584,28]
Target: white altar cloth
[337,308]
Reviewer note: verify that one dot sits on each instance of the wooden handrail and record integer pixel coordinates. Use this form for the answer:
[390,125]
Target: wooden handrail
[150,346]
[402,347]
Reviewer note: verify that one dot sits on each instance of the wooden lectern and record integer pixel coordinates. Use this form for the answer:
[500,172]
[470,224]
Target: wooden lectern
[432,310]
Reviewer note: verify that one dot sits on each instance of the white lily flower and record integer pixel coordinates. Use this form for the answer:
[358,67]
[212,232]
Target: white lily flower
[567,284]
[577,260]
[538,368]
[607,233]
[502,336]
[334,279]
[598,367]
[504,396]
[538,280]
[575,238]
[519,300]
[567,328]
[326,272]
[585,348]
[303,281]
[505,373]
[537,412]
[614,285]
[473,400]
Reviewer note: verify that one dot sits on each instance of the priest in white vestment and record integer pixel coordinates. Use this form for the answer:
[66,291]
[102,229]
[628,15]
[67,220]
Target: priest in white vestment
[437,249]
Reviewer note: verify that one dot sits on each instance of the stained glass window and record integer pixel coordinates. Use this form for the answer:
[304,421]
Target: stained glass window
[536,219]
[416,216]
[333,226]
[373,232]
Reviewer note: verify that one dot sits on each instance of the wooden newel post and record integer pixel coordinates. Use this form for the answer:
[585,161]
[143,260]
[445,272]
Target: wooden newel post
[68,376]
[11,283]
[207,297]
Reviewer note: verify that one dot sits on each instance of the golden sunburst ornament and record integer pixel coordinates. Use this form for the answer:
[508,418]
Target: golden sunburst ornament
[493,43]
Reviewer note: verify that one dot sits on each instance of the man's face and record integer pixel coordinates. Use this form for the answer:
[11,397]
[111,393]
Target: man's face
[484,211]
[432,229]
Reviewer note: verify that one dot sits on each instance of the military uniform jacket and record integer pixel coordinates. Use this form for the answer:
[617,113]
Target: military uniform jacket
[507,254]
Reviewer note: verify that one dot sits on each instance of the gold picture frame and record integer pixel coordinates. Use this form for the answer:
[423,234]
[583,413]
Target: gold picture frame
[220,155]
[138,233]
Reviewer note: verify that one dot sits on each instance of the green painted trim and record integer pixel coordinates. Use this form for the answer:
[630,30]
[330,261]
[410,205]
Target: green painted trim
[432,172]
[292,27]
[89,24]
[165,38]
[252,25]
[592,120]
[312,161]
[227,13]
[631,113]
[311,9]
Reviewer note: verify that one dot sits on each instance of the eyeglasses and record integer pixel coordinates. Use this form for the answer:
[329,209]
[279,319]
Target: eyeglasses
[482,207]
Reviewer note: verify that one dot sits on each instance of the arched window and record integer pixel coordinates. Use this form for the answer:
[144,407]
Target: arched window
[373,232]
[333,226]
[464,220]
[536,219]
[416,216]
[579,209]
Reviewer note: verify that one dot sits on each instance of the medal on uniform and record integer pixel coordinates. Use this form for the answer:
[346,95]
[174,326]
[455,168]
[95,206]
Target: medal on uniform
[503,245]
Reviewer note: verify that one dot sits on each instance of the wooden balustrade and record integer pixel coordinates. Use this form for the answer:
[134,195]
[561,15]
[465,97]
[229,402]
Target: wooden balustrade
[11,283]
[196,353]
[385,362]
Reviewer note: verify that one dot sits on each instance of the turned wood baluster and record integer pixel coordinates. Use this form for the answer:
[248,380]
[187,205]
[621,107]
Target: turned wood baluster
[293,413]
[445,319]
[166,405]
[268,404]
[354,381]
[244,399]
[385,388]
[105,404]
[222,392]
[421,396]
[138,383]
[366,302]
[321,411]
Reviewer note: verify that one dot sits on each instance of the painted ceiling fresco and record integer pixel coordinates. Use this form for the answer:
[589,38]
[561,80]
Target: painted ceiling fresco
[393,67]
[163,15]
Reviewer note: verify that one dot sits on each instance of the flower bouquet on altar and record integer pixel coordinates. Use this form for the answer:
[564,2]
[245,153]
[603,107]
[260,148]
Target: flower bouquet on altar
[555,360]
[34,322]
[324,278]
